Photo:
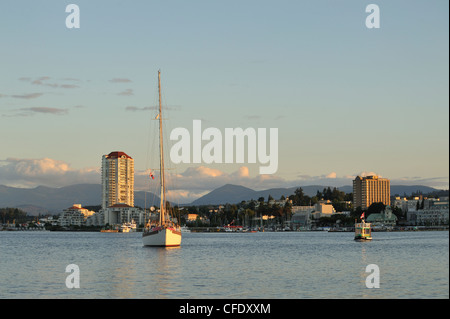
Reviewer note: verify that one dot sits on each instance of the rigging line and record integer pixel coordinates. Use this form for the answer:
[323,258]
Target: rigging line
[172,177]
[149,185]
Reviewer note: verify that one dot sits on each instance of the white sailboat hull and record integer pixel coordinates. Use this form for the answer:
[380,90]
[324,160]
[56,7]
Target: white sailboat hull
[166,237]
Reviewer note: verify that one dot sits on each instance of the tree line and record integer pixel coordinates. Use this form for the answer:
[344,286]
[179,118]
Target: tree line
[249,213]
[16,215]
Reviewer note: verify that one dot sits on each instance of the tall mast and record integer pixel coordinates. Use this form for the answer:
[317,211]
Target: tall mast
[162,210]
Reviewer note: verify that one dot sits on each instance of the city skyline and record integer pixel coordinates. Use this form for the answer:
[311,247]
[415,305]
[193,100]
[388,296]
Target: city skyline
[347,100]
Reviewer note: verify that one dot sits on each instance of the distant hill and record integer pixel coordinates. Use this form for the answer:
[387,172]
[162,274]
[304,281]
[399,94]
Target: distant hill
[226,194]
[400,190]
[233,194]
[44,200]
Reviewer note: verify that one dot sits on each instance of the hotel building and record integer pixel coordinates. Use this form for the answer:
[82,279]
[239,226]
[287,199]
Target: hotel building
[117,179]
[371,189]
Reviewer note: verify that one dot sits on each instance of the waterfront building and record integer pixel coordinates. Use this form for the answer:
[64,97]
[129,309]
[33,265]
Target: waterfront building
[385,218]
[305,217]
[74,216]
[406,204]
[302,209]
[323,209]
[371,189]
[191,217]
[117,179]
[301,220]
[119,214]
[49,220]
[434,215]
[97,219]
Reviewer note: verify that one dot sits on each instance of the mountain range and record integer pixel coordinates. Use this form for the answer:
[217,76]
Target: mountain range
[43,200]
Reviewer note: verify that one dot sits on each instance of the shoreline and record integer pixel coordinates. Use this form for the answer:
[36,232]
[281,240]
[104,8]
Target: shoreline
[222,230]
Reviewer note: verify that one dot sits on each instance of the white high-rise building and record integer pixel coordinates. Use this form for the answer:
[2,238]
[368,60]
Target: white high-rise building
[117,179]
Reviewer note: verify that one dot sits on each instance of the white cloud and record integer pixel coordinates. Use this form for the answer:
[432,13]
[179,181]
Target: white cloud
[44,171]
[365,174]
[331,175]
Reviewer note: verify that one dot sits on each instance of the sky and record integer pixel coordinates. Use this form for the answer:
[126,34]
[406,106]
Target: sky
[347,100]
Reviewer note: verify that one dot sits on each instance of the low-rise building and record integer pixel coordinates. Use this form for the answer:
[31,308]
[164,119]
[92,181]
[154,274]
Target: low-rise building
[123,213]
[74,216]
[117,214]
[432,216]
[385,218]
[323,209]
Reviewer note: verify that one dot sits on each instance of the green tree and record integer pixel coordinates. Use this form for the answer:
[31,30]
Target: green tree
[375,208]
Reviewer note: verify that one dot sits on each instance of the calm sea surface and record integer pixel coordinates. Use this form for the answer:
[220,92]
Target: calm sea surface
[225,265]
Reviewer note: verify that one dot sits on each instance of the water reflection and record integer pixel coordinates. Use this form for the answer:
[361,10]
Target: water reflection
[123,272]
[162,269]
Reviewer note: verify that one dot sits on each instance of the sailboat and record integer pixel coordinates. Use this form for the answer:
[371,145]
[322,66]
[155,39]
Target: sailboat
[165,233]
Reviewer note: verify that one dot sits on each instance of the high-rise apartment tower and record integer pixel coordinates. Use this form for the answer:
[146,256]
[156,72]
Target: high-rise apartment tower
[371,189]
[117,179]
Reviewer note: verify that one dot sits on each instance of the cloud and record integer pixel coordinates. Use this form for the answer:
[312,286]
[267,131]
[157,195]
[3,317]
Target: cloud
[47,110]
[45,171]
[127,92]
[253,117]
[120,80]
[135,108]
[365,174]
[152,108]
[28,96]
[243,172]
[43,82]
[30,111]
[331,175]
[69,86]
[202,171]
[436,182]
[71,79]
[39,81]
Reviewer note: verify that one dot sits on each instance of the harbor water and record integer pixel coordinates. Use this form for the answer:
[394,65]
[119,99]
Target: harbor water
[274,265]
